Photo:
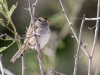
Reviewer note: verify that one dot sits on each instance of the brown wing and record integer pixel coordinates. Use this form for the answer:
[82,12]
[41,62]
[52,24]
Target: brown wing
[30,39]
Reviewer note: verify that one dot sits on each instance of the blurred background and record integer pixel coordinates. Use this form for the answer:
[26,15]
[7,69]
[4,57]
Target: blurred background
[60,51]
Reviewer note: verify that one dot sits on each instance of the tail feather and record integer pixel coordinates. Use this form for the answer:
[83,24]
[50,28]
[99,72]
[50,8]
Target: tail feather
[18,54]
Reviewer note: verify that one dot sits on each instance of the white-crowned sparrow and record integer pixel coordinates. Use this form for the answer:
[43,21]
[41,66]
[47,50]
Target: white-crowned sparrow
[42,34]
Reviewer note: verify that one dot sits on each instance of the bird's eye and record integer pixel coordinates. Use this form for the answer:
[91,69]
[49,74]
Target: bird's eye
[45,21]
[39,19]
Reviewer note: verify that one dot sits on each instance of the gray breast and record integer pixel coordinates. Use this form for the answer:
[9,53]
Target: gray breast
[44,37]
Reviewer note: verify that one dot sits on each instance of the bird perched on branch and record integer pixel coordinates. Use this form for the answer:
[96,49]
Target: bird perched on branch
[42,32]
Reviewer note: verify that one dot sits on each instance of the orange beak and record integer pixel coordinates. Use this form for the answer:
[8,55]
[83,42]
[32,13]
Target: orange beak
[49,21]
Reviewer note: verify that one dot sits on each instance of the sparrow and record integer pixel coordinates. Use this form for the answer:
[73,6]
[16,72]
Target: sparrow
[42,33]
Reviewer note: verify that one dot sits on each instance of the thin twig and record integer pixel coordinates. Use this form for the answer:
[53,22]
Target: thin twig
[1,66]
[97,28]
[32,10]
[90,19]
[56,72]
[91,28]
[70,25]
[23,64]
[78,49]
[98,18]
[95,39]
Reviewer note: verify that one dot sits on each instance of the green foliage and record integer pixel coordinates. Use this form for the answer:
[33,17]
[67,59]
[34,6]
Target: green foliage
[12,9]
[4,25]
[7,14]
[5,11]
[4,48]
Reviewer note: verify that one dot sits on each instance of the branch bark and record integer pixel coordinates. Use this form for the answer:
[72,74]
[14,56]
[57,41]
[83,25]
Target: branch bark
[70,25]
[78,48]
[32,10]
[95,39]
[23,64]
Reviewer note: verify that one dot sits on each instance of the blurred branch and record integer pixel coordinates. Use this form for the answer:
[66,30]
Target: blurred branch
[70,25]
[32,10]
[2,69]
[78,49]
[95,39]
[1,66]
[97,72]
[7,72]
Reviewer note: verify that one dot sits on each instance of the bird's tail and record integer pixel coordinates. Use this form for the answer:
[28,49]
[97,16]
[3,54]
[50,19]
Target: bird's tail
[18,54]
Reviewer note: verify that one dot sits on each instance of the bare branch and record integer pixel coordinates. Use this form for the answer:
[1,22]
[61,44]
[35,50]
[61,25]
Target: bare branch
[98,18]
[78,49]
[97,72]
[95,39]
[70,24]
[32,10]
